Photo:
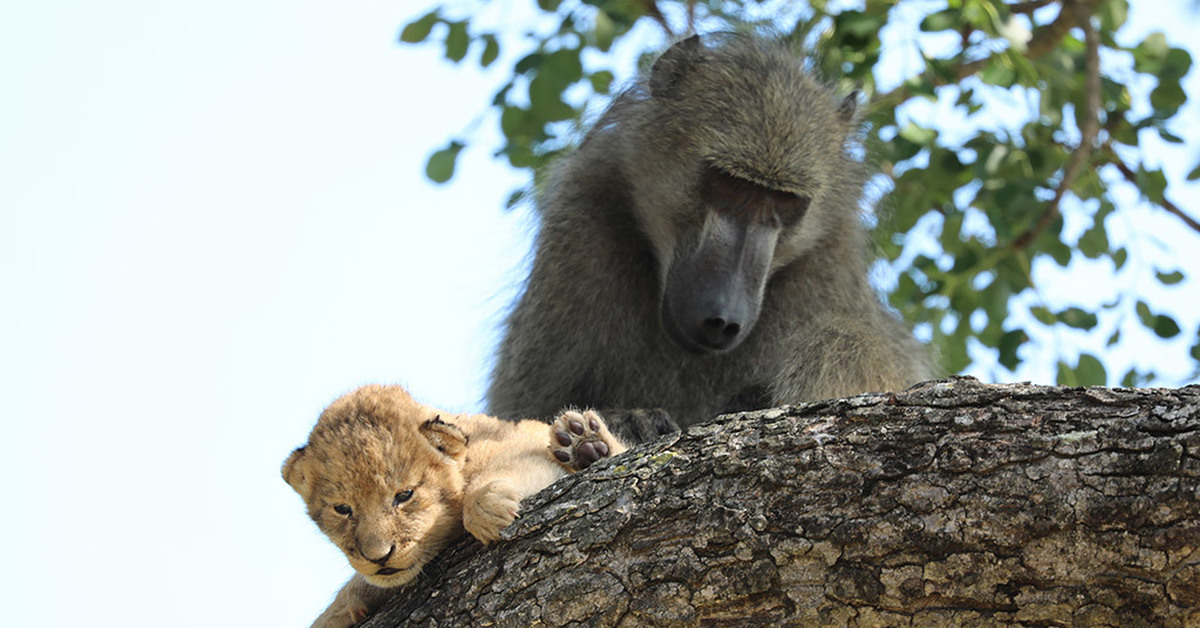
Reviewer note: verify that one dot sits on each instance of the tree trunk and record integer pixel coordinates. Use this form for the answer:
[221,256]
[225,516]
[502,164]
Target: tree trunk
[952,503]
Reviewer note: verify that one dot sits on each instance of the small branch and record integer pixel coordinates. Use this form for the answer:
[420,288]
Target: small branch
[1166,204]
[652,10]
[1088,132]
[1029,7]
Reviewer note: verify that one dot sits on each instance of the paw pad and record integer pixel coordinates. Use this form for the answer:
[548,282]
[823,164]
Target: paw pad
[579,439]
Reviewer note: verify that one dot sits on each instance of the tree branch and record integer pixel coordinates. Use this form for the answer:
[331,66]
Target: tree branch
[951,503]
[1131,177]
[1088,131]
[1029,7]
[650,7]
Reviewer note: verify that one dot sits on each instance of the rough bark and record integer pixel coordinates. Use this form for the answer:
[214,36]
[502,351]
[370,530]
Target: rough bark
[953,503]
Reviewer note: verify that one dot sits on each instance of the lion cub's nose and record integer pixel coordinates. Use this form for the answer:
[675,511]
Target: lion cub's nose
[377,551]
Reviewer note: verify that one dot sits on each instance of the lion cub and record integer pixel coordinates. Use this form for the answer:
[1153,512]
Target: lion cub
[391,481]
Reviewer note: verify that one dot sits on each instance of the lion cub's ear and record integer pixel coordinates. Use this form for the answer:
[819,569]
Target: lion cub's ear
[296,472]
[444,437]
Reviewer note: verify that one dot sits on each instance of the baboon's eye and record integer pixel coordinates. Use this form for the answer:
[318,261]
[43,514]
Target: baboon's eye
[342,509]
[788,208]
[401,497]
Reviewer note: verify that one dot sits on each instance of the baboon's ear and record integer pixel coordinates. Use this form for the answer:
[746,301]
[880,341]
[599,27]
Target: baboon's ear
[849,106]
[444,437]
[296,472]
[667,71]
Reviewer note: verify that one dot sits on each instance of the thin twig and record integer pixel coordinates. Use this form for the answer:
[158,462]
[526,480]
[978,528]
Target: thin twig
[1131,177]
[652,10]
[1028,7]
[1088,130]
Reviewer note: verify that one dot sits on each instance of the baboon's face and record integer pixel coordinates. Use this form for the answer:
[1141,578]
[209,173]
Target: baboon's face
[714,285]
[735,162]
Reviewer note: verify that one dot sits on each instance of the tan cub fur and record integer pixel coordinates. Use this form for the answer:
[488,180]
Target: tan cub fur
[391,481]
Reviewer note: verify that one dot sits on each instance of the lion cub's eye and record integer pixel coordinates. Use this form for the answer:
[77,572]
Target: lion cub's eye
[402,497]
[342,509]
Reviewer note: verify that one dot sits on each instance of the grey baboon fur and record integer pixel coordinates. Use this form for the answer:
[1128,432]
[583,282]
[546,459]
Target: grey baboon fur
[766,286]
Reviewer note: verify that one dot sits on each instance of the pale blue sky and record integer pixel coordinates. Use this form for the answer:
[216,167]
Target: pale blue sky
[213,220]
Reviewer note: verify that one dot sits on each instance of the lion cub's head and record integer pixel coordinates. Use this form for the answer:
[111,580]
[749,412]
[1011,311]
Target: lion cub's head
[382,477]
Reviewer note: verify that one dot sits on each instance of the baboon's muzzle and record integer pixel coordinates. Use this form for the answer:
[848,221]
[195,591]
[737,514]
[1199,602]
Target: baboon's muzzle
[713,292]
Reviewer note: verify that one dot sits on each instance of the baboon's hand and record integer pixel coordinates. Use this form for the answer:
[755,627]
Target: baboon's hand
[639,425]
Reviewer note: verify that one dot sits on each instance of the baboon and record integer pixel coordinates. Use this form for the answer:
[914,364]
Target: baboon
[703,251]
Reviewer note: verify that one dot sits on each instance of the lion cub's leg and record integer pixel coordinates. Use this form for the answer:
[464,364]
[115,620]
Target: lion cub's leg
[353,603]
[579,439]
[487,509]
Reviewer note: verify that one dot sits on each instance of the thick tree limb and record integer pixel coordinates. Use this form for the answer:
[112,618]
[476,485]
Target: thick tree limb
[954,503]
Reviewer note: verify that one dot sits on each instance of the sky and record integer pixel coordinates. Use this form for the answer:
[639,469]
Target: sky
[214,221]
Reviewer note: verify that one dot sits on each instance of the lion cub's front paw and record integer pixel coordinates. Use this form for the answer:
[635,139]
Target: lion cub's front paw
[346,610]
[579,439]
[490,508]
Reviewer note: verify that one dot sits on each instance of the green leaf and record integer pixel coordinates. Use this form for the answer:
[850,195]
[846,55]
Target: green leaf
[501,97]
[1008,345]
[1114,338]
[1167,98]
[601,81]
[1094,242]
[440,167]
[1134,379]
[1120,256]
[549,6]
[1089,371]
[1113,14]
[604,32]
[515,122]
[1149,55]
[1194,174]
[1065,375]
[1152,184]
[1043,315]
[1169,136]
[1165,326]
[918,135]
[516,198]
[1144,314]
[998,73]
[1169,279]
[944,20]
[416,32]
[545,99]
[1162,325]
[1057,249]
[1195,352]
[563,66]
[858,23]
[528,63]
[1175,66]
[491,50]
[457,41]
[1077,318]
